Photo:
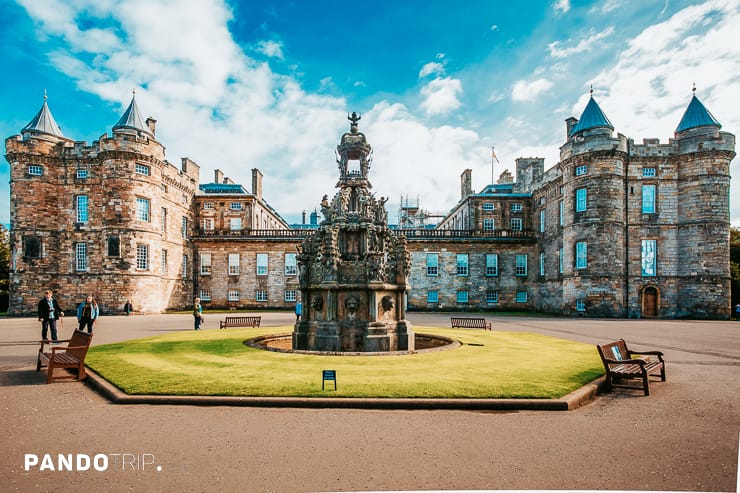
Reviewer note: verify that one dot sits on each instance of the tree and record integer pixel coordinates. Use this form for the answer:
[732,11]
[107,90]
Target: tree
[4,268]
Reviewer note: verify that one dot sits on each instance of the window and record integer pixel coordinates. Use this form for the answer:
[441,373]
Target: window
[80,256]
[491,296]
[561,211]
[142,257]
[233,295]
[233,264]
[462,296]
[581,305]
[235,206]
[142,209]
[81,173]
[208,205]
[261,295]
[32,247]
[581,170]
[648,172]
[290,295]
[491,264]
[521,264]
[291,268]
[516,207]
[648,199]
[35,170]
[542,221]
[184,228]
[560,261]
[184,266]
[581,255]
[205,295]
[81,207]
[205,264]
[114,246]
[261,264]
[649,257]
[489,224]
[164,261]
[208,223]
[521,296]
[163,187]
[488,206]
[184,199]
[542,263]
[143,169]
[432,296]
[432,264]
[163,226]
[235,224]
[516,224]
[581,200]
[462,264]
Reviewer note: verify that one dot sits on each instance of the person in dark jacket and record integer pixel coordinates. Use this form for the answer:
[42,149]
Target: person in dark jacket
[49,313]
[87,314]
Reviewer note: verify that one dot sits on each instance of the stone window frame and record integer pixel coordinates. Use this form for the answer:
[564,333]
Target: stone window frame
[462,264]
[261,295]
[233,295]
[649,206]
[462,296]
[581,170]
[432,296]
[142,257]
[542,221]
[36,243]
[110,250]
[208,224]
[290,295]
[35,170]
[163,263]
[184,267]
[143,209]
[492,265]
[143,169]
[81,173]
[432,268]
[517,224]
[521,297]
[581,255]
[236,206]
[561,254]
[262,266]
[580,305]
[234,222]
[491,296]
[184,228]
[489,206]
[520,264]
[291,266]
[649,172]
[81,257]
[82,208]
[649,258]
[581,199]
[489,224]
[561,212]
[205,295]
[542,263]
[233,263]
[206,266]
[209,205]
[517,207]
[163,219]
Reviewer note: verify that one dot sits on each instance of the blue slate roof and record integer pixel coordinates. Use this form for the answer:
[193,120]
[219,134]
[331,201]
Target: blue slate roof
[696,115]
[131,118]
[43,122]
[231,188]
[592,117]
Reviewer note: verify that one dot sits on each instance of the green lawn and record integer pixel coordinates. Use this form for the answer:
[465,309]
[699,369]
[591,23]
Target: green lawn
[488,365]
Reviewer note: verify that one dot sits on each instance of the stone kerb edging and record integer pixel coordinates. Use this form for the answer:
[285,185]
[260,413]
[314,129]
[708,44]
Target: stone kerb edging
[571,401]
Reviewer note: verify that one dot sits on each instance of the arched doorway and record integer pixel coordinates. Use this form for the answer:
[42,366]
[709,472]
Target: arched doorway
[650,300]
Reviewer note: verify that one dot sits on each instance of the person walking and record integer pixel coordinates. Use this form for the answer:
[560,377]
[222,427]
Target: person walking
[737,312]
[49,312]
[128,308]
[298,311]
[87,314]
[197,313]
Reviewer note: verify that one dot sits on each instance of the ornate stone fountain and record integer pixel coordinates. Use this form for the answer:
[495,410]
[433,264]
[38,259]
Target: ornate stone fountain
[353,269]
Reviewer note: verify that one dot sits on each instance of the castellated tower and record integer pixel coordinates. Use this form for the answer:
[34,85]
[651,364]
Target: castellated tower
[109,219]
[592,164]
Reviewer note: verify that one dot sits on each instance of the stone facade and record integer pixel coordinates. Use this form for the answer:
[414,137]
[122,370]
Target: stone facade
[615,229]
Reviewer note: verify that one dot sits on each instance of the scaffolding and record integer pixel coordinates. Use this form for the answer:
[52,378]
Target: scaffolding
[411,216]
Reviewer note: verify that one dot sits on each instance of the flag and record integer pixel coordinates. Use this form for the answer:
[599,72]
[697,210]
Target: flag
[493,155]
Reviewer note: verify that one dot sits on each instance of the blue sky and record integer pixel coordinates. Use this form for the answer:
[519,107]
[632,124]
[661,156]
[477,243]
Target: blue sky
[238,85]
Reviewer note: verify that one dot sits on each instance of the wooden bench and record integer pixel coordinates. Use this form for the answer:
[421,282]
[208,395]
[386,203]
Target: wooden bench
[70,356]
[240,322]
[620,365]
[470,323]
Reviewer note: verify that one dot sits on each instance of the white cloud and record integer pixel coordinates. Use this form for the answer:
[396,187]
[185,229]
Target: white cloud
[494,27]
[524,90]
[432,68]
[605,7]
[270,48]
[441,96]
[561,6]
[584,44]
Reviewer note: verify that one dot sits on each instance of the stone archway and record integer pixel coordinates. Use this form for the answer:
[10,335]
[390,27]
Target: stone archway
[650,301]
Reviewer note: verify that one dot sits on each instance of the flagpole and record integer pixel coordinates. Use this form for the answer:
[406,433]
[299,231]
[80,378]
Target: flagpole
[492,154]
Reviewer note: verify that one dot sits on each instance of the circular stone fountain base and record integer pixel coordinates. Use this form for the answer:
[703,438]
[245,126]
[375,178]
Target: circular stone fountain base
[283,343]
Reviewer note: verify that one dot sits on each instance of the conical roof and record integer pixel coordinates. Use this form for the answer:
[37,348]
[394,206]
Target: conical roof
[592,117]
[131,118]
[44,122]
[696,115]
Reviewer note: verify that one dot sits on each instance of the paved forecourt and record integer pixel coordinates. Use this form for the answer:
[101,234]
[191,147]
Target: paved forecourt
[684,436]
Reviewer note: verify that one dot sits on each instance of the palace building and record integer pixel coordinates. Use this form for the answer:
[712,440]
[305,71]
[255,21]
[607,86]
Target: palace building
[615,229]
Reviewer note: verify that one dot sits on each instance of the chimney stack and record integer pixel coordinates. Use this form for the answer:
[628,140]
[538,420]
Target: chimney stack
[257,183]
[152,124]
[466,183]
[218,176]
